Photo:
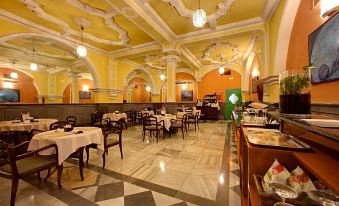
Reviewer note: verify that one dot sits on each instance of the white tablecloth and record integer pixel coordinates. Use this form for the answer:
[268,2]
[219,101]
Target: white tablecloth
[42,124]
[167,120]
[114,116]
[68,142]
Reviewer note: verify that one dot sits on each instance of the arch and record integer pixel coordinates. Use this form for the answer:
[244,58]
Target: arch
[246,77]
[284,34]
[137,71]
[72,46]
[211,68]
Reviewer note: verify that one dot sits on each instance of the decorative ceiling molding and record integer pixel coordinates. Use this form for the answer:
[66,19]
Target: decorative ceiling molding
[191,58]
[44,30]
[250,47]
[235,59]
[139,49]
[35,7]
[108,16]
[211,19]
[269,10]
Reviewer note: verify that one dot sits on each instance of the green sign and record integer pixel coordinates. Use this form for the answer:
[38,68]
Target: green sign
[233,97]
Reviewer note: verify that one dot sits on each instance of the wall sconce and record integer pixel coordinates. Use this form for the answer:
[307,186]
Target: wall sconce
[184,86]
[255,72]
[8,85]
[85,88]
[328,7]
[14,75]
[148,88]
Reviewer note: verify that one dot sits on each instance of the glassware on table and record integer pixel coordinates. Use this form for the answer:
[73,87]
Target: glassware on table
[284,192]
[324,198]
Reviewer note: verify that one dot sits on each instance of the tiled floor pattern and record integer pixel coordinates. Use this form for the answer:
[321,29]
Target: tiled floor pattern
[194,171]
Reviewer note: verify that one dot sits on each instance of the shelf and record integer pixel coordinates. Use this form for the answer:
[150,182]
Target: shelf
[322,166]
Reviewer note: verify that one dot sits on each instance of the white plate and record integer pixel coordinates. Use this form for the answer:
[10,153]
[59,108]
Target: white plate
[323,122]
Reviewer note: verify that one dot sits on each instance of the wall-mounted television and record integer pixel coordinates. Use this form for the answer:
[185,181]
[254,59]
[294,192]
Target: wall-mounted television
[323,51]
[9,95]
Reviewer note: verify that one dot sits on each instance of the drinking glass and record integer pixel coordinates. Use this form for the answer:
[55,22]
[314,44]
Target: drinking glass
[324,198]
[284,191]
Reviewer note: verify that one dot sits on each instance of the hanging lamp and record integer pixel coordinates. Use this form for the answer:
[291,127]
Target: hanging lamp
[33,66]
[81,49]
[221,67]
[199,17]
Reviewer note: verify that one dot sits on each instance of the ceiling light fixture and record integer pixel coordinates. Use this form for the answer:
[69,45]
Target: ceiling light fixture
[328,7]
[199,17]
[14,75]
[33,66]
[81,49]
[162,77]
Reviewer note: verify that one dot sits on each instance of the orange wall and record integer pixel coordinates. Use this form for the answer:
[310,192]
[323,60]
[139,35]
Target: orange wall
[213,82]
[139,93]
[67,93]
[25,84]
[306,21]
[193,86]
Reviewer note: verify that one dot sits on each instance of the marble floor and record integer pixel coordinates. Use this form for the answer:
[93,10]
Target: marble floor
[201,169]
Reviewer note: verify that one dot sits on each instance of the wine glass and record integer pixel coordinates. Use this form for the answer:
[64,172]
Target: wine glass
[284,192]
[324,198]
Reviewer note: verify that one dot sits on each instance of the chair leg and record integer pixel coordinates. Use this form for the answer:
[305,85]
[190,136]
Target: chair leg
[60,168]
[15,183]
[87,155]
[182,131]
[121,154]
[39,176]
[48,174]
[103,160]
[81,163]
[195,127]
[157,135]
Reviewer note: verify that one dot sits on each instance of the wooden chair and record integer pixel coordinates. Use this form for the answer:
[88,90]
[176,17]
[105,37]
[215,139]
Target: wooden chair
[193,119]
[138,117]
[152,124]
[71,120]
[113,127]
[179,124]
[96,119]
[15,164]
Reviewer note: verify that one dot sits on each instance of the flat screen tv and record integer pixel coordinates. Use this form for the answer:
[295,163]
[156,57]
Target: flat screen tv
[9,95]
[323,51]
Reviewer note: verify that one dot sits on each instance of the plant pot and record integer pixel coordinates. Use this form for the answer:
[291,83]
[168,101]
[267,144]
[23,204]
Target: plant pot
[295,95]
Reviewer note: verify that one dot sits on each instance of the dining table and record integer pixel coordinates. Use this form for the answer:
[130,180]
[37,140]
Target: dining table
[18,126]
[167,120]
[115,116]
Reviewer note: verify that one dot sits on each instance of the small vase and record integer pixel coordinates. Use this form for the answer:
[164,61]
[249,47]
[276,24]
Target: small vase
[295,93]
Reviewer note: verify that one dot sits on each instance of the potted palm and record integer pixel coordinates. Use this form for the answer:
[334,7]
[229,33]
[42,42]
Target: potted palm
[295,95]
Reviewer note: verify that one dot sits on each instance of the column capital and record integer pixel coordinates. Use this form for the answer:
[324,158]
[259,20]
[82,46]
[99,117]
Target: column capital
[171,58]
[198,78]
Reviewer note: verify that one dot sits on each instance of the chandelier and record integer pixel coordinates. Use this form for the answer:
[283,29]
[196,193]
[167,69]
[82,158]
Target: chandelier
[221,67]
[33,66]
[81,49]
[199,17]
[328,7]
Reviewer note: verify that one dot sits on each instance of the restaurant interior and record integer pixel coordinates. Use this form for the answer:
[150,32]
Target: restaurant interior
[169,102]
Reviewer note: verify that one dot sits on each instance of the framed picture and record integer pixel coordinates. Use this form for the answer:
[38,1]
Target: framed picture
[323,51]
[186,95]
[84,95]
[9,95]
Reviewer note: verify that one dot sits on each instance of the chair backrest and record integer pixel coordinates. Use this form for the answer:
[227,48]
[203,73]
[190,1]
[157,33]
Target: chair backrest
[71,120]
[58,125]
[96,117]
[8,155]
[197,114]
[189,111]
[145,115]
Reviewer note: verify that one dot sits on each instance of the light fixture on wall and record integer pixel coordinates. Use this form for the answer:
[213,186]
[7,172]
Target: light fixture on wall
[33,66]
[184,86]
[221,67]
[328,7]
[8,85]
[81,49]
[255,72]
[14,75]
[148,88]
[85,88]
[199,17]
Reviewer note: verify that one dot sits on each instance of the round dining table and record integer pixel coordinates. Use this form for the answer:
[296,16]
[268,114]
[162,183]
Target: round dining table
[14,125]
[167,120]
[115,116]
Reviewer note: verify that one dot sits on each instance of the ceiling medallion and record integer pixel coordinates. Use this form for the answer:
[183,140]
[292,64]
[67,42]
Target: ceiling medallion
[199,17]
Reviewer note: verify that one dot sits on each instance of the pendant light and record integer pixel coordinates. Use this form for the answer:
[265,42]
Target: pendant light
[221,67]
[162,75]
[199,17]
[33,66]
[81,49]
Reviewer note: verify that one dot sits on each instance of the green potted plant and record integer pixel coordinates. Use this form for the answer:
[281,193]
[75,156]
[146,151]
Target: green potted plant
[295,95]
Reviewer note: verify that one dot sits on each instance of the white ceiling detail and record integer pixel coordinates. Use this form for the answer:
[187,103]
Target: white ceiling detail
[235,59]
[211,19]
[108,16]
[35,7]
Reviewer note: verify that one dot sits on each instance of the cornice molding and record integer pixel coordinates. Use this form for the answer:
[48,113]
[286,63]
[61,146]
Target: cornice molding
[269,10]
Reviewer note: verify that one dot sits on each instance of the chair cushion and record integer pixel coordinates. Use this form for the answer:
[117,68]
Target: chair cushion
[30,163]
[176,125]
[153,127]
[111,141]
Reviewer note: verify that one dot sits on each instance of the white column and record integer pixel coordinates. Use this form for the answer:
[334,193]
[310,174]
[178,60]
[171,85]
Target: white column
[75,88]
[171,59]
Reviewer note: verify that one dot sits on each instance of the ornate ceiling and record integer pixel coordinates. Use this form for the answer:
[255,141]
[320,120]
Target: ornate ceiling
[137,30]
